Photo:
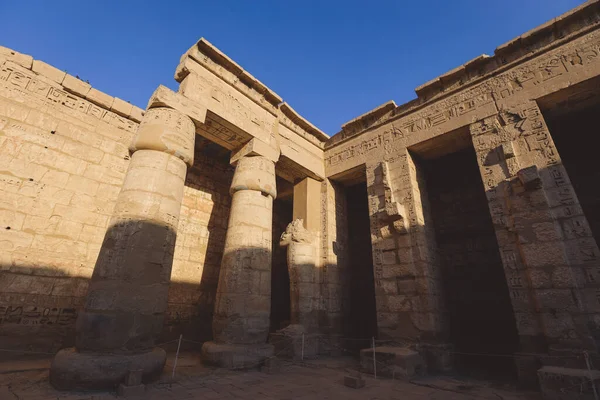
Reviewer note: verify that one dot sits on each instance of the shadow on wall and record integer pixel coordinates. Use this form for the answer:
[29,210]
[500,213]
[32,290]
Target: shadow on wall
[202,230]
[128,303]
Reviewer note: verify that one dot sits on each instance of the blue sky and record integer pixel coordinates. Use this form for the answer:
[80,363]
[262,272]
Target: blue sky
[331,60]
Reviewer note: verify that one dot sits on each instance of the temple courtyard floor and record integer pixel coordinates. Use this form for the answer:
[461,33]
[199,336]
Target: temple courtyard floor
[27,379]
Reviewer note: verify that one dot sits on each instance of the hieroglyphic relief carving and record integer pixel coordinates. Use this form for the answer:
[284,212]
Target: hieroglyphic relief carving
[13,77]
[582,54]
[359,149]
[33,315]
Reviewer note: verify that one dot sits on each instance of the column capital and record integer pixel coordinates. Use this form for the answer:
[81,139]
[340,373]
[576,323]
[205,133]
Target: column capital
[165,97]
[167,130]
[254,173]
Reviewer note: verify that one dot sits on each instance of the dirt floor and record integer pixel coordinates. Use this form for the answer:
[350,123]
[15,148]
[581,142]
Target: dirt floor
[27,379]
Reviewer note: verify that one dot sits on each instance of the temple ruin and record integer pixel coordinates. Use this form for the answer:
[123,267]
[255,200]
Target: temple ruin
[458,224]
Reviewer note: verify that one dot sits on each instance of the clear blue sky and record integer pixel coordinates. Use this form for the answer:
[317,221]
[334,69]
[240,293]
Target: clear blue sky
[331,60]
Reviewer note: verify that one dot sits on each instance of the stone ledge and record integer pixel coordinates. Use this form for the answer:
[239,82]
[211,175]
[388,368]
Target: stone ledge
[302,122]
[72,84]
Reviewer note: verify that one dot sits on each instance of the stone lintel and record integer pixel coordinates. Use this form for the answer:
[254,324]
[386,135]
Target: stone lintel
[307,203]
[196,63]
[208,50]
[165,97]
[294,166]
[255,147]
[302,122]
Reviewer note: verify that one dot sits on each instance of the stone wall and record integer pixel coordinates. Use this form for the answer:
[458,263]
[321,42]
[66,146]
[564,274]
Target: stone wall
[199,248]
[63,158]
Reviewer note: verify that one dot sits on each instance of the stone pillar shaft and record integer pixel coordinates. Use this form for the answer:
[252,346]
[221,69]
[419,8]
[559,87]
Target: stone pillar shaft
[304,287]
[127,296]
[244,293]
[243,303]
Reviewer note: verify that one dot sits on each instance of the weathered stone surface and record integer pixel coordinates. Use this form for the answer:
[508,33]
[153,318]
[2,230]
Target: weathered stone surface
[76,86]
[558,383]
[397,362]
[166,130]
[302,268]
[243,302]
[48,71]
[137,391]
[72,370]
[99,98]
[236,356]
[121,107]
[127,296]
[255,174]
[19,58]
[177,247]
[354,381]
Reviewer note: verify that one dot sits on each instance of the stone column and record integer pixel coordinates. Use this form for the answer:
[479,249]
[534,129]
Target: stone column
[127,296]
[546,245]
[304,288]
[243,303]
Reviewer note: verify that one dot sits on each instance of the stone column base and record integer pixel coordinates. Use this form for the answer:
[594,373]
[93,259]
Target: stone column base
[72,370]
[236,356]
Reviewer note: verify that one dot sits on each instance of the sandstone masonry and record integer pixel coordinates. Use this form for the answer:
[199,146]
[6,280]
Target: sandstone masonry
[460,225]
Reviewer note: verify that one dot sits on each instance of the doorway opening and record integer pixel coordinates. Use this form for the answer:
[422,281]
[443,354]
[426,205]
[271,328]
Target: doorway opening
[359,314]
[571,116]
[480,316]
[280,277]
[362,316]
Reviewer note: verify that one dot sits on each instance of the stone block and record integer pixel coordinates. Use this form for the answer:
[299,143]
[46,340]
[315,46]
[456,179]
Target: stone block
[136,114]
[394,209]
[72,370]
[121,107]
[354,381]
[23,60]
[99,98]
[48,71]
[76,86]
[530,177]
[131,391]
[558,383]
[508,150]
